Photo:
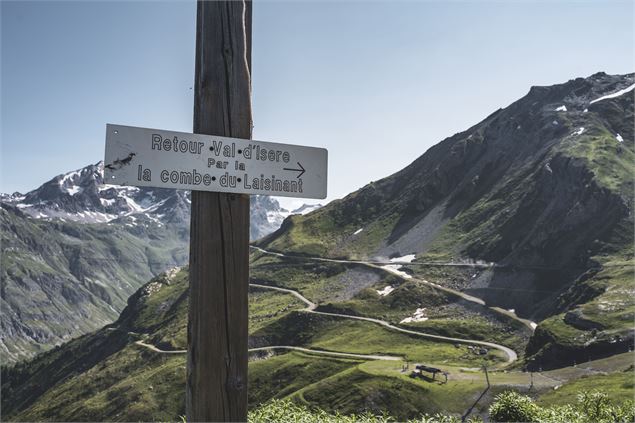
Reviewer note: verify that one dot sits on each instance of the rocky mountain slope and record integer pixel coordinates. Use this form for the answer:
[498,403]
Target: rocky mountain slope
[74,250]
[542,189]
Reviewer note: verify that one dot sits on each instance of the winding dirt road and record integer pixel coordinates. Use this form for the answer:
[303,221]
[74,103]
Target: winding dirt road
[330,353]
[155,349]
[286,347]
[379,265]
[311,306]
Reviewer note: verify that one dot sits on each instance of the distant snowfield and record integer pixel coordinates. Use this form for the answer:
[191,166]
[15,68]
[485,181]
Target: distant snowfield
[74,190]
[83,217]
[613,95]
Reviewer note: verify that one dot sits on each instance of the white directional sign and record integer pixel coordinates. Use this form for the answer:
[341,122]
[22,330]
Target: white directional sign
[168,159]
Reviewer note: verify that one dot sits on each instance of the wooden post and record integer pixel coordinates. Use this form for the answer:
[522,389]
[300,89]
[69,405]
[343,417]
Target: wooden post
[486,376]
[219,247]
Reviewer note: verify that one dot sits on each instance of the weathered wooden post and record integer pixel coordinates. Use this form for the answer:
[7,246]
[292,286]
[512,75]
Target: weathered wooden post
[219,246]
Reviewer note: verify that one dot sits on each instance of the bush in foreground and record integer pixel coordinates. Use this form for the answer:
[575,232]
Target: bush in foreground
[510,406]
[592,407]
[284,411]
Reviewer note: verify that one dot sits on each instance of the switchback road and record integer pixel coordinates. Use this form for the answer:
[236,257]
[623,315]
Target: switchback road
[507,314]
[511,354]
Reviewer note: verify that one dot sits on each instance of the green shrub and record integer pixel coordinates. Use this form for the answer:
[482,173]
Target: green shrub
[440,418]
[281,411]
[510,406]
[598,407]
[562,414]
[592,407]
[285,411]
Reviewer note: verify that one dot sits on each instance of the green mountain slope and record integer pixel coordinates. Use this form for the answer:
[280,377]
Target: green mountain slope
[62,279]
[543,189]
[120,373]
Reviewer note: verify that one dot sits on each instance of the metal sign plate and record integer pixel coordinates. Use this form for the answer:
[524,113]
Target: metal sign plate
[169,159]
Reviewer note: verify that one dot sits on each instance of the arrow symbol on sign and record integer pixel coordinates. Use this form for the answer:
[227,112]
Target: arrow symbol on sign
[301,170]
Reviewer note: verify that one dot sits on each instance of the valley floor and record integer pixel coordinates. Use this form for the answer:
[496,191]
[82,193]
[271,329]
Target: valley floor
[346,355]
[466,380]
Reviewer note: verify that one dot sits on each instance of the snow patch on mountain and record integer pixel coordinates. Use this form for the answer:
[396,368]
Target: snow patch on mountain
[417,316]
[408,258]
[387,290]
[394,268]
[74,190]
[615,94]
[306,208]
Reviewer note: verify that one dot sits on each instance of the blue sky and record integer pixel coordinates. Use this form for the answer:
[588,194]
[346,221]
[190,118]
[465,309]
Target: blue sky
[377,83]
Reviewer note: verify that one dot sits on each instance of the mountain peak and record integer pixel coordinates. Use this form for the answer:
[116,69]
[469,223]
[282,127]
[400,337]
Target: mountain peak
[81,196]
[579,93]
